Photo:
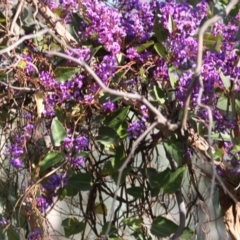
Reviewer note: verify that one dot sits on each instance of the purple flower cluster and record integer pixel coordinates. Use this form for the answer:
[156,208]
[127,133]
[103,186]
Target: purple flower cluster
[50,3]
[42,204]
[54,182]
[135,129]
[106,68]
[80,54]
[46,79]
[137,18]
[3,222]
[73,148]
[28,68]
[108,106]
[15,151]
[68,7]
[132,53]
[64,92]
[104,24]
[35,235]
[144,112]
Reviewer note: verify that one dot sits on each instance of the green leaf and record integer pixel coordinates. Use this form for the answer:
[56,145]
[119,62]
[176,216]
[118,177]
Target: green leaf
[12,233]
[22,64]
[159,30]
[170,23]
[120,58]
[100,208]
[76,20]
[218,154]
[143,75]
[158,94]
[119,158]
[50,160]
[105,227]
[175,149]
[123,177]
[237,106]
[172,180]
[2,19]
[212,42]
[218,42]
[62,193]
[95,50]
[133,223]
[115,119]
[119,75]
[65,73]
[187,234]
[60,114]
[81,181]
[136,192]
[144,46]
[107,169]
[122,130]
[236,142]
[222,103]
[58,132]
[161,50]
[152,176]
[72,226]
[163,227]
[226,81]
[219,136]
[172,76]
[107,135]
[71,191]
[58,11]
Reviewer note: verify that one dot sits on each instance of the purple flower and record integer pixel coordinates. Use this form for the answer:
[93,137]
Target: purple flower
[35,235]
[42,204]
[104,24]
[77,161]
[131,53]
[108,106]
[3,222]
[135,129]
[106,68]
[50,3]
[54,182]
[144,112]
[80,143]
[27,131]
[67,143]
[88,98]
[16,162]
[80,54]
[46,79]
[28,68]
